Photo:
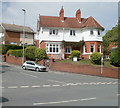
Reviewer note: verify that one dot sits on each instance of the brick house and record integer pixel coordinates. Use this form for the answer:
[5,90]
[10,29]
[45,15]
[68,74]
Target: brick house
[13,34]
[53,30]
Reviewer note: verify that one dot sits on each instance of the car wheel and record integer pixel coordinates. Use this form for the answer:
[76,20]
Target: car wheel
[37,69]
[24,67]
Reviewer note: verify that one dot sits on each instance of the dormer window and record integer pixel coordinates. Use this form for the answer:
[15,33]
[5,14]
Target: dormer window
[91,32]
[53,32]
[72,32]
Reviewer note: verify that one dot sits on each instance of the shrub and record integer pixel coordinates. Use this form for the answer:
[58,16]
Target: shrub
[114,57]
[6,47]
[96,58]
[30,52]
[17,53]
[75,53]
[9,52]
[40,53]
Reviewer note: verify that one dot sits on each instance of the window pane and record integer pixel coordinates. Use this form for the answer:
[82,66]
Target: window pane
[98,32]
[70,32]
[50,31]
[91,32]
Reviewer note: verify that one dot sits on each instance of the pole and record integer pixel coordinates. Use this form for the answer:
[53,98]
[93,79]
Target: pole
[23,34]
[101,65]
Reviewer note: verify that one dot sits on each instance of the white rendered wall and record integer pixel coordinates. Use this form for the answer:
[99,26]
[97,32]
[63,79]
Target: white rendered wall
[64,34]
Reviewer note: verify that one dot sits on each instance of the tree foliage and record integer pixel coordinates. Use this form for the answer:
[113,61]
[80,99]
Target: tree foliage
[115,57]
[96,58]
[111,36]
[30,52]
[75,53]
[40,53]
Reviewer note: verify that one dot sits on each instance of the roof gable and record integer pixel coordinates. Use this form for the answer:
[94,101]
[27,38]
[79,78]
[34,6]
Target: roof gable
[16,28]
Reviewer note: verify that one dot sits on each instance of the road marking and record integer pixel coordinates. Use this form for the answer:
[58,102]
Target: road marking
[35,86]
[29,75]
[24,86]
[2,87]
[67,101]
[56,81]
[46,85]
[115,83]
[12,87]
[55,85]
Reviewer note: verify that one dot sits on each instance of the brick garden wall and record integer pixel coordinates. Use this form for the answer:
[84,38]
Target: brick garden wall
[85,69]
[14,60]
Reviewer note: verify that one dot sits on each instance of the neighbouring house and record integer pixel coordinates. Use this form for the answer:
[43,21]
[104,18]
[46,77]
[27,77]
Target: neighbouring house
[13,34]
[52,31]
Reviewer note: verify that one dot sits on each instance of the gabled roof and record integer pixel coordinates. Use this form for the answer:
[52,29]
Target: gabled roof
[16,28]
[69,22]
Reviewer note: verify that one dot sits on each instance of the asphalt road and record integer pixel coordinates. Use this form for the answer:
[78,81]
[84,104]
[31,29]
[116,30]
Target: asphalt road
[30,88]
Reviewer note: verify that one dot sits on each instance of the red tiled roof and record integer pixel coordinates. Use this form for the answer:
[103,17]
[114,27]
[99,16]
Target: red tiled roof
[69,22]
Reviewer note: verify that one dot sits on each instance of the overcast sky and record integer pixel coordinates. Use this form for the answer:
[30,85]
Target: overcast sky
[106,13]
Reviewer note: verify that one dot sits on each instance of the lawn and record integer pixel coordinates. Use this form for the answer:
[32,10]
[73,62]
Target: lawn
[88,62]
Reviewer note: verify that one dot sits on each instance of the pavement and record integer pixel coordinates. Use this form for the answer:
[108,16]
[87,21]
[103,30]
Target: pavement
[30,88]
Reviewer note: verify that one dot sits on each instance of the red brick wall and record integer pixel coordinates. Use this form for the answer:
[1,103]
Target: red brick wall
[14,60]
[85,69]
[12,37]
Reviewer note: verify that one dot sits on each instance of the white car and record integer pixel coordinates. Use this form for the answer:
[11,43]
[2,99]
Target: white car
[33,66]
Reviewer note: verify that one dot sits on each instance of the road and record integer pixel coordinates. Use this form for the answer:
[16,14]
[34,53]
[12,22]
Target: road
[29,88]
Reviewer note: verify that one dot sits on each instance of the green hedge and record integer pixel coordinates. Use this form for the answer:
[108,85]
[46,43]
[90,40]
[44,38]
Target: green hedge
[96,58]
[115,57]
[30,52]
[7,47]
[40,53]
[16,53]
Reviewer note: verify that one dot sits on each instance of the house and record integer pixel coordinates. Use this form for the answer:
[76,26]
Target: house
[52,31]
[13,34]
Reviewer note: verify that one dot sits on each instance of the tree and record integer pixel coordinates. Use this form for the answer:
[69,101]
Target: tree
[30,52]
[40,54]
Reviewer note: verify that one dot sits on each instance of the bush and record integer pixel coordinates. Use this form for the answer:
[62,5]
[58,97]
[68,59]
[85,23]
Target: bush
[96,58]
[6,47]
[9,52]
[40,53]
[17,53]
[75,53]
[115,57]
[30,52]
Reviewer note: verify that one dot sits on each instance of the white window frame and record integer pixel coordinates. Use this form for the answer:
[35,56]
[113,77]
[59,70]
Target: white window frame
[67,52]
[93,48]
[72,32]
[99,47]
[53,31]
[53,48]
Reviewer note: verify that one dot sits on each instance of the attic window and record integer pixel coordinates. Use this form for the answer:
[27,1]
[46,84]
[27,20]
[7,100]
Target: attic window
[91,32]
[53,32]
[72,32]
[98,32]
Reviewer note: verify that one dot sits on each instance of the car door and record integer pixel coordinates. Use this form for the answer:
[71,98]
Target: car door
[33,66]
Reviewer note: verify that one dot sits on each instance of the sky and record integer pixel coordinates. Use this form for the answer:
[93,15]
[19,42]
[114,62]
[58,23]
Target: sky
[106,13]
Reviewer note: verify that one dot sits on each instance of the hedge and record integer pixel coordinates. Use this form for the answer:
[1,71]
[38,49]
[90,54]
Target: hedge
[40,53]
[30,52]
[16,53]
[115,57]
[7,47]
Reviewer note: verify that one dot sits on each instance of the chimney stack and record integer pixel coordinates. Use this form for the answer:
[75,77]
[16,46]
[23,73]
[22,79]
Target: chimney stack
[61,14]
[78,15]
